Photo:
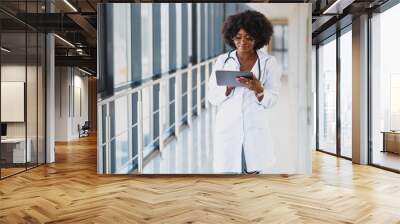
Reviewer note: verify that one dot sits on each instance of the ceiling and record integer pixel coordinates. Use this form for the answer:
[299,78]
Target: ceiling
[76,20]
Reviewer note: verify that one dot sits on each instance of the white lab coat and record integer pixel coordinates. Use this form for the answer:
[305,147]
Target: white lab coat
[241,119]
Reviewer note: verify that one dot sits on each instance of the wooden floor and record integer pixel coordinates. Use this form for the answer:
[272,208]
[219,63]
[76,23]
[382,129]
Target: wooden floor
[70,191]
[10,171]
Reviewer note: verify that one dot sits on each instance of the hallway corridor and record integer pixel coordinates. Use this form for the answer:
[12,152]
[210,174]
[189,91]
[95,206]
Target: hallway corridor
[189,153]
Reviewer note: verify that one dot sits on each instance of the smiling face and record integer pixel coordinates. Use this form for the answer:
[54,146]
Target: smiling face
[244,42]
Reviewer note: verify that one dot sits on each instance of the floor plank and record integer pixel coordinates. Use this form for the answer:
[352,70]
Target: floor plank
[70,191]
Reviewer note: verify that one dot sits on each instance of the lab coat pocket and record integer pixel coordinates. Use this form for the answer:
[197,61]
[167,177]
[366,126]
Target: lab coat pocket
[259,150]
[258,119]
[224,120]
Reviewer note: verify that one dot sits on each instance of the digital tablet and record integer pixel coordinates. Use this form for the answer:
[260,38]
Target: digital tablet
[228,78]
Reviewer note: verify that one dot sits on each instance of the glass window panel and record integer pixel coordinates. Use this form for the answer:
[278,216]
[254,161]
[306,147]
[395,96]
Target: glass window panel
[202,78]
[156,106]
[184,93]
[203,90]
[147,40]
[346,94]
[178,35]
[135,141]
[184,82]
[41,99]
[171,117]
[184,104]
[203,32]
[171,102]
[190,29]
[164,37]
[285,37]
[385,92]
[13,78]
[146,108]
[327,97]
[279,45]
[210,69]
[172,38]
[314,89]
[194,90]
[199,50]
[103,123]
[185,34]
[121,152]
[104,158]
[277,37]
[31,95]
[203,73]
[111,108]
[134,129]
[394,101]
[134,108]
[164,106]
[156,33]
[209,30]
[121,115]
[136,43]
[121,44]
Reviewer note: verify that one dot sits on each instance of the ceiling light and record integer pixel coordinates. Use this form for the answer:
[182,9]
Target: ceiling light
[70,5]
[5,50]
[65,41]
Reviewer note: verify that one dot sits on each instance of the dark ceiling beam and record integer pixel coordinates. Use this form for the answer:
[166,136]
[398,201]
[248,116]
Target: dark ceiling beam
[321,22]
[337,7]
[86,26]
[83,61]
[86,51]
[15,18]
[49,22]
[337,15]
[91,5]
[78,18]
[331,29]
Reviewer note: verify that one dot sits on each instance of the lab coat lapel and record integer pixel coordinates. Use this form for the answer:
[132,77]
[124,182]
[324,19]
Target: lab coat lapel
[233,63]
[263,57]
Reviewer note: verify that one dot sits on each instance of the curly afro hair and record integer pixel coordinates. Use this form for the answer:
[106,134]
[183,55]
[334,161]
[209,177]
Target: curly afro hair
[253,22]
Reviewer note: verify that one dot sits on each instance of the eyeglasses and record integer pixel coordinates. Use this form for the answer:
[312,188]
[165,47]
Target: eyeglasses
[246,38]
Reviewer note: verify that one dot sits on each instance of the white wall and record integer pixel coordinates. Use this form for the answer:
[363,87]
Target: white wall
[70,83]
[17,73]
[33,125]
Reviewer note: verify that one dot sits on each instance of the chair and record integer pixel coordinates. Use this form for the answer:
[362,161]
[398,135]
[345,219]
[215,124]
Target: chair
[84,130]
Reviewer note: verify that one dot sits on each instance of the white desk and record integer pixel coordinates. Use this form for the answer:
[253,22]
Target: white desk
[17,145]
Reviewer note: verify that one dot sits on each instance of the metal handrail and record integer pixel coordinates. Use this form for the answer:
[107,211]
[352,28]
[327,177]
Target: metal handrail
[164,78]
[152,83]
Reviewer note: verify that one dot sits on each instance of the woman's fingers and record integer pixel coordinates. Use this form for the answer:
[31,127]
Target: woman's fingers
[244,81]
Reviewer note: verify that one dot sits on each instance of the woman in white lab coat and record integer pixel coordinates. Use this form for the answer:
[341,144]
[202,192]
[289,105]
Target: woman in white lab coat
[242,143]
